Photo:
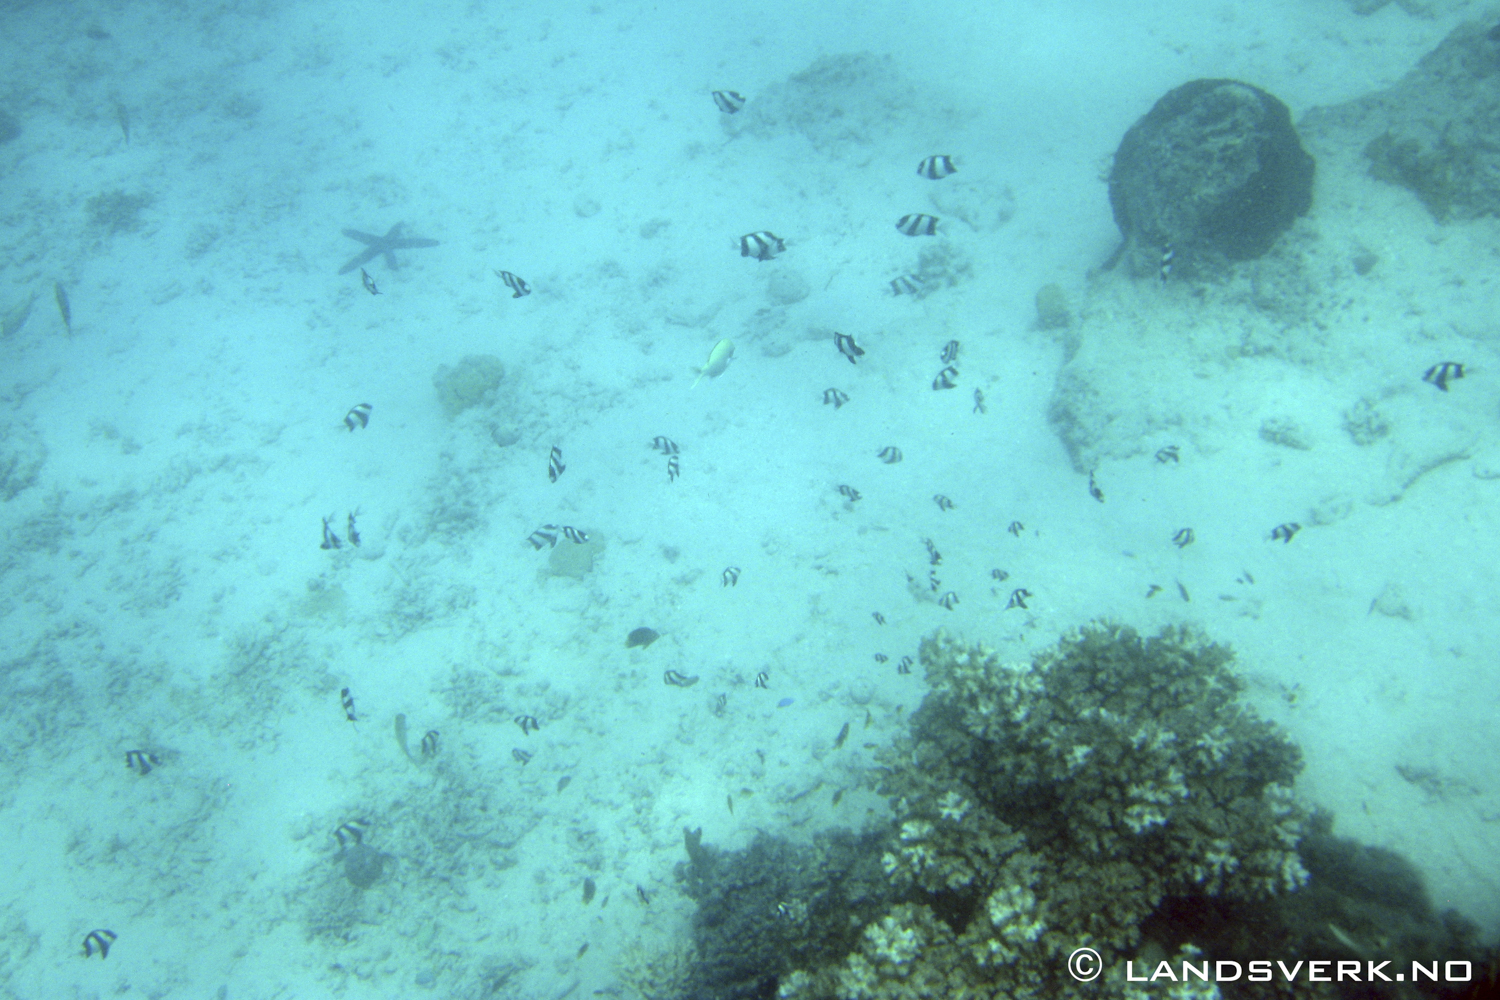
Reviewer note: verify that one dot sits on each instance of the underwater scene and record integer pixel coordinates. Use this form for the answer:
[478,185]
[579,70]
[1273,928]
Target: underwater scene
[686,501]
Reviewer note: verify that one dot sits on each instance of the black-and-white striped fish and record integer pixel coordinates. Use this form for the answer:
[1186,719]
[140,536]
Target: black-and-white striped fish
[847,347]
[918,224]
[665,445]
[541,537]
[1167,256]
[572,534]
[945,378]
[514,283]
[890,454]
[950,352]
[907,284]
[674,468]
[728,101]
[763,245]
[835,397]
[935,168]
[555,465]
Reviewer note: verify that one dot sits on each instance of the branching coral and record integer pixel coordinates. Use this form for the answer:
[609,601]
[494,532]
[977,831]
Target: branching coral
[1046,806]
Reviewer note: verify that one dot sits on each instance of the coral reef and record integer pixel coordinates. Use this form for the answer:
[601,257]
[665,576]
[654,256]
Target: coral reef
[1111,794]
[1046,806]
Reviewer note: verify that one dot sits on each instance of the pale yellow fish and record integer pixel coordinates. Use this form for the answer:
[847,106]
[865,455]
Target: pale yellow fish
[718,360]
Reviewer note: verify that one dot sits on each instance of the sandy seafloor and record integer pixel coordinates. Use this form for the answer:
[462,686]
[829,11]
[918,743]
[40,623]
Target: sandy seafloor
[163,586]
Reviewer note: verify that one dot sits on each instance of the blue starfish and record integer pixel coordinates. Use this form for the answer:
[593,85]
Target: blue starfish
[382,245]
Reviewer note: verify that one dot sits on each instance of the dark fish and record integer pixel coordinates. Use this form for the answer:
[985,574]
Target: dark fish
[430,741]
[141,760]
[907,284]
[850,493]
[571,533]
[527,724]
[1015,528]
[347,700]
[1167,256]
[837,795]
[555,465]
[999,574]
[122,115]
[352,531]
[881,658]
[99,941]
[564,782]
[904,667]
[879,618]
[949,600]
[522,756]
[330,540]
[835,397]
[368,282]
[1168,454]
[1183,591]
[588,891]
[943,502]
[665,445]
[1018,598]
[514,283]
[1183,538]
[1441,374]
[763,680]
[933,555]
[1153,590]
[728,101]
[1284,532]
[843,735]
[730,577]
[847,347]
[640,891]
[729,801]
[950,352]
[945,378]
[358,415]
[935,168]
[61,295]
[641,637]
[582,949]
[933,583]
[978,401]
[762,245]
[542,536]
[918,224]
[675,679]
[674,468]
[721,702]
[1094,490]
[890,455]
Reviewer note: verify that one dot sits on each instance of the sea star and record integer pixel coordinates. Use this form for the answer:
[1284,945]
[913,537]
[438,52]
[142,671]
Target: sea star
[378,245]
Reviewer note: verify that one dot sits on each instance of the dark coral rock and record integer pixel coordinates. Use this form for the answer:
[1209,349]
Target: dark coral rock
[1214,171]
[776,906]
[363,865]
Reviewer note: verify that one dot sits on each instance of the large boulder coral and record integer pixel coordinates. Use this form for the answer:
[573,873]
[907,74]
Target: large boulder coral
[1214,172]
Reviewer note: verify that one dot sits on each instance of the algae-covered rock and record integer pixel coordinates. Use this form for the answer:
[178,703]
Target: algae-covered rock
[575,559]
[472,382]
[1052,308]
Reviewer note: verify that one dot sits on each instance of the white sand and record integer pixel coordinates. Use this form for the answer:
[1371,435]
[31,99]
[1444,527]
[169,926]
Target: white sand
[163,586]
